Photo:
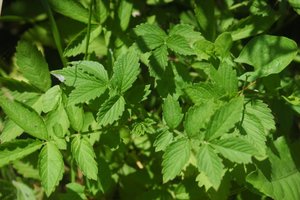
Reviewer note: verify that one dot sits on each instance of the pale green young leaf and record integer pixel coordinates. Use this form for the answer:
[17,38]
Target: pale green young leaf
[111,110]
[197,117]
[235,149]
[261,110]
[151,29]
[179,44]
[209,163]
[25,117]
[175,158]
[51,99]
[33,65]
[172,112]
[84,154]
[279,178]
[51,167]
[204,49]
[71,9]
[78,43]
[255,133]
[76,116]
[226,78]
[10,131]
[124,13]
[203,92]
[126,69]
[163,139]
[24,192]
[261,51]
[17,149]
[224,118]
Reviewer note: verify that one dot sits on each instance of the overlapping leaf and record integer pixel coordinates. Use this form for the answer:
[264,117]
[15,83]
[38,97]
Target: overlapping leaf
[175,157]
[84,155]
[163,139]
[17,149]
[209,163]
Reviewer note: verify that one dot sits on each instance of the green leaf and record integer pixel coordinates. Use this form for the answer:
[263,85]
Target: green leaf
[224,118]
[10,131]
[261,110]
[126,69]
[76,116]
[124,13]
[226,78]
[209,163]
[89,78]
[205,15]
[296,5]
[25,117]
[172,112]
[197,117]
[163,140]
[235,149]
[71,9]
[111,110]
[252,25]
[33,65]
[51,99]
[149,29]
[84,155]
[159,59]
[51,167]
[223,44]
[23,191]
[102,10]
[268,54]
[255,134]
[179,45]
[203,92]
[175,158]
[77,44]
[186,31]
[17,149]
[27,167]
[152,41]
[279,177]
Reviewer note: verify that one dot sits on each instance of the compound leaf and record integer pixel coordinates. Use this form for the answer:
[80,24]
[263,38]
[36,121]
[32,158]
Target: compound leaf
[175,157]
[179,44]
[84,155]
[51,167]
[126,69]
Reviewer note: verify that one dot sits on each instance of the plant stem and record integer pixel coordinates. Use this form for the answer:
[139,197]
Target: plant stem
[56,35]
[88,31]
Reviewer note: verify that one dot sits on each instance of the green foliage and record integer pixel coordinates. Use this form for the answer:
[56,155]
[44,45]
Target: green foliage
[156,99]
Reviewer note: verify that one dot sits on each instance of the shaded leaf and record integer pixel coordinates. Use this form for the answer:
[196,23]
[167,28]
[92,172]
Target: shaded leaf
[17,149]
[84,155]
[175,158]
